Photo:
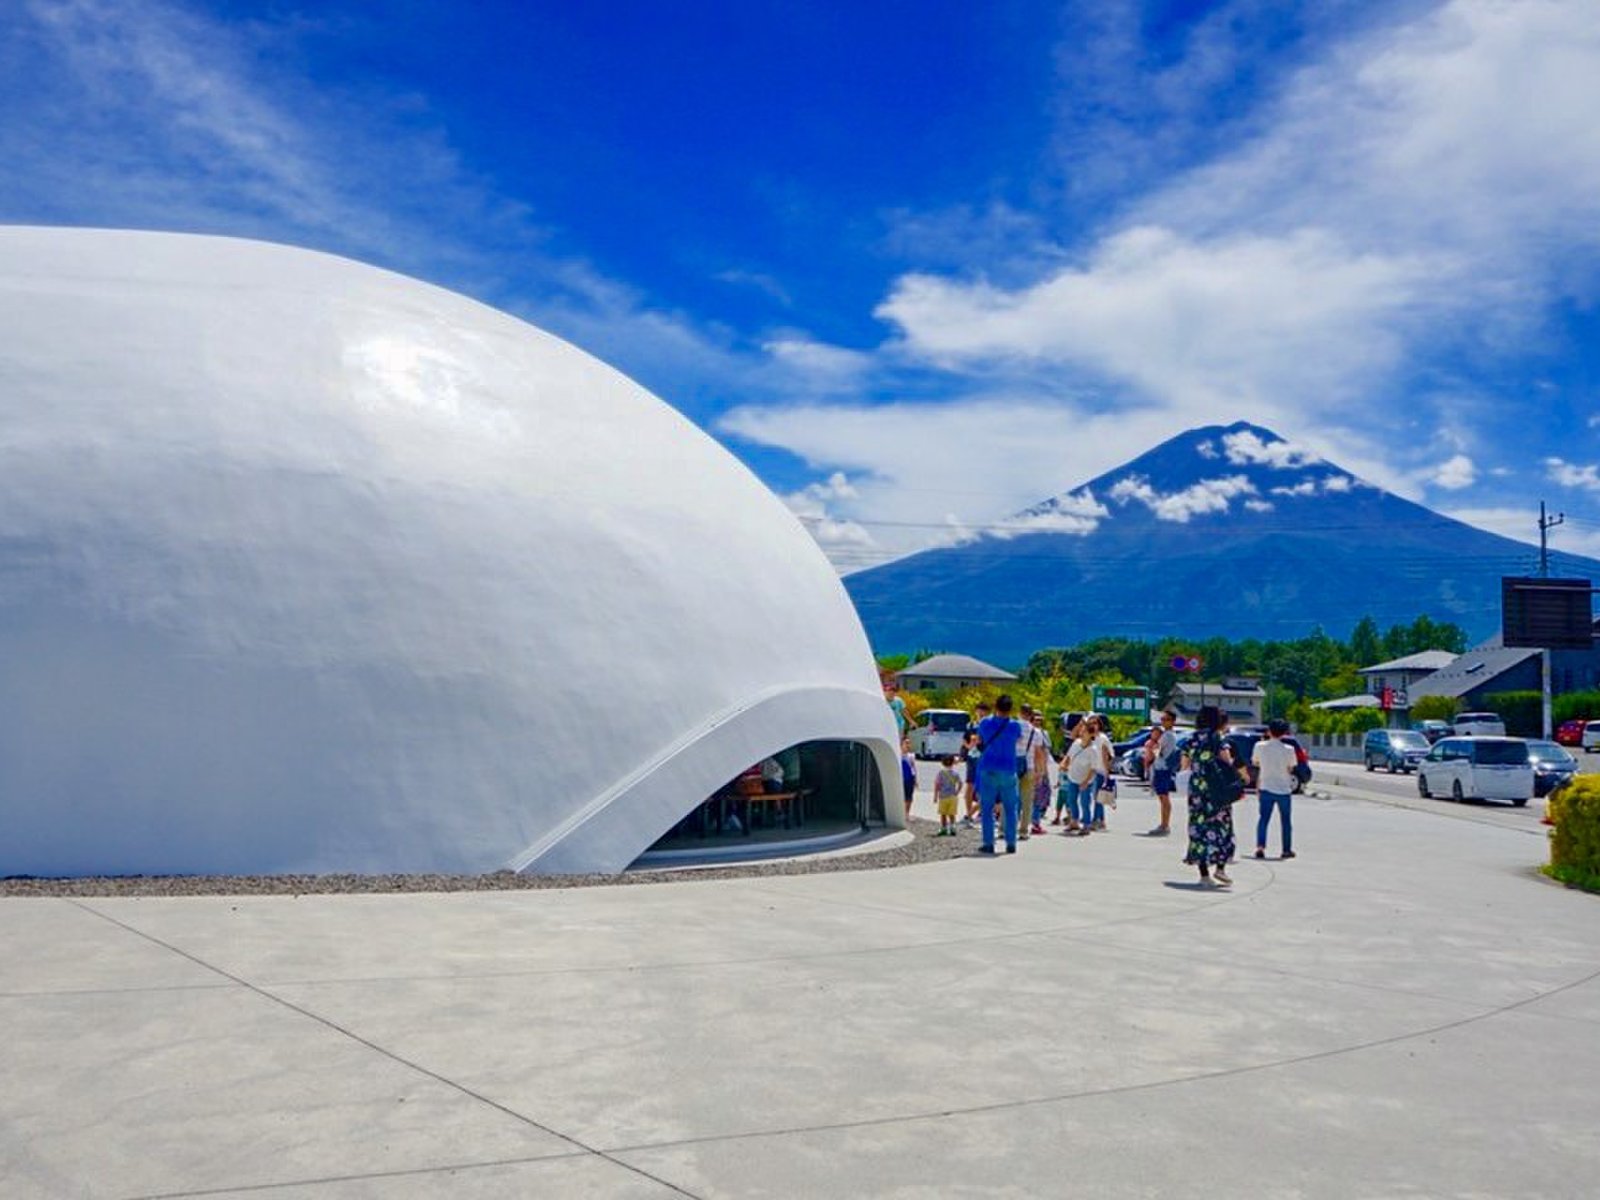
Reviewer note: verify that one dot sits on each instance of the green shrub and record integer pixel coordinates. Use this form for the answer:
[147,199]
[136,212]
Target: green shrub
[1575,706]
[1435,708]
[1575,841]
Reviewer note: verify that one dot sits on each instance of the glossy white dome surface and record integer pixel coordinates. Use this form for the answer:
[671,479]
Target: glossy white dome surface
[307,566]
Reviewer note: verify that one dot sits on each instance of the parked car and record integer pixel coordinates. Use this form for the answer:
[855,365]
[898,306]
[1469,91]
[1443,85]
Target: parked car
[1591,735]
[1570,733]
[1478,724]
[1486,768]
[1553,766]
[1432,730]
[1069,720]
[1128,756]
[1396,749]
[940,731]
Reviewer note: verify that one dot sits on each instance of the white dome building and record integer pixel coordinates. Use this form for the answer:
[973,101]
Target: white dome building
[307,566]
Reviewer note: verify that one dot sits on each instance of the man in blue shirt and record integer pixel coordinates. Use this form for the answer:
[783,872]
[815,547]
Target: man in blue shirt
[997,774]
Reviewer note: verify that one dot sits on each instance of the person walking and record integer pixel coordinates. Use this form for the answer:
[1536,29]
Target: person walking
[908,773]
[897,706]
[972,752]
[1214,785]
[1042,755]
[1163,764]
[1085,761]
[1275,759]
[1027,770]
[997,775]
[1099,751]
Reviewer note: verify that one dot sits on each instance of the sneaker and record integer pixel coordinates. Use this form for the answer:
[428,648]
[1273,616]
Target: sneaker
[1056,820]
[1260,852]
[1287,854]
[1011,849]
[1221,878]
[1207,882]
[1099,826]
[1037,828]
[989,849]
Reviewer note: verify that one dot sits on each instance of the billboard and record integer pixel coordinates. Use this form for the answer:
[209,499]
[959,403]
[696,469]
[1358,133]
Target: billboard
[1547,614]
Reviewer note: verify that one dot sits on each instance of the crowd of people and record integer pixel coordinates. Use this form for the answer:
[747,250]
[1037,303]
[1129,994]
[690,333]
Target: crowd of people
[1006,782]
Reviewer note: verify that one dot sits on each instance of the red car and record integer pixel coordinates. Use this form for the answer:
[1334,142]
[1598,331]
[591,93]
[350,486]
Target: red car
[1570,733]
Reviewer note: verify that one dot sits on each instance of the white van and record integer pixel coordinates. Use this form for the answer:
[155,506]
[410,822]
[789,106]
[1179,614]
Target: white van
[1478,768]
[1478,724]
[1591,736]
[940,731]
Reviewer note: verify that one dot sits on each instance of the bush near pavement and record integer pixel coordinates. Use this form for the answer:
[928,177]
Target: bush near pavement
[1574,810]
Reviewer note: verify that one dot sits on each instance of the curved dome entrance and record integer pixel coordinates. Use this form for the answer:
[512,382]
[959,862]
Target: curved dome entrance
[809,796]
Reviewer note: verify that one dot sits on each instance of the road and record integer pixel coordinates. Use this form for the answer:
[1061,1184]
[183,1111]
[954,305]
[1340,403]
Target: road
[1335,780]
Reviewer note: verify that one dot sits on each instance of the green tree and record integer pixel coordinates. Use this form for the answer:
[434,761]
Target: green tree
[1366,644]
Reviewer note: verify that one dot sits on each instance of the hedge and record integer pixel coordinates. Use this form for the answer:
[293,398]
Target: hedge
[1577,705]
[1575,841]
[1523,712]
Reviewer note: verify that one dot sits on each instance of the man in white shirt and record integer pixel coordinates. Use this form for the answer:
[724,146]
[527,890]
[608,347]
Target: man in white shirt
[1275,760]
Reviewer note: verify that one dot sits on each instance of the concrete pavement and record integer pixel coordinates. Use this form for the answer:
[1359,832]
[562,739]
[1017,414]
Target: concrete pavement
[1403,1010]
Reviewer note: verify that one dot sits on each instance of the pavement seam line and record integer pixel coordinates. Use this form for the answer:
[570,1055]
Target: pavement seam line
[321,1180]
[1095,1093]
[327,1023]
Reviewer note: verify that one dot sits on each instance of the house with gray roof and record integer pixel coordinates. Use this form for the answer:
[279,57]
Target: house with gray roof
[944,671]
[1241,699]
[1491,667]
[1399,676]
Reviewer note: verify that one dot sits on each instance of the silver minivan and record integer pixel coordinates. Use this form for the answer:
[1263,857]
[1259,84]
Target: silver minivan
[1478,768]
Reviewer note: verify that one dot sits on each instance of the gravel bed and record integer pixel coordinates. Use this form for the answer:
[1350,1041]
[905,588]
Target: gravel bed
[924,847]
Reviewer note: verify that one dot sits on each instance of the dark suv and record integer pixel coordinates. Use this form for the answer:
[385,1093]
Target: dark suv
[1396,749]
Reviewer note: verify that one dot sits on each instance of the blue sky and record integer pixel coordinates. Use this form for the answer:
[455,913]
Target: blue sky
[919,265]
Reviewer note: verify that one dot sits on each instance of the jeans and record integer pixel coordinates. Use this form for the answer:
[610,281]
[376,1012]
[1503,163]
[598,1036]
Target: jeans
[1081,801]
[1280,801]
[1090,810]
[998,785]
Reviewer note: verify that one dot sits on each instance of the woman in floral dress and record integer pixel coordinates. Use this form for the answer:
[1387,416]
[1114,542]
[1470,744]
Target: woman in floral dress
[1213,787]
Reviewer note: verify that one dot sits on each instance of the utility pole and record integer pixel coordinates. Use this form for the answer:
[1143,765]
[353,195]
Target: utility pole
[1546,524]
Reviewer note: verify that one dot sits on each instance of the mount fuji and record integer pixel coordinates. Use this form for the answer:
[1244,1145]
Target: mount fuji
[1228,531]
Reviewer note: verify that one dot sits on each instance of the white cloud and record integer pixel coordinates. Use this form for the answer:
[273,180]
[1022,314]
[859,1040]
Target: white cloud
[1306,487]
[1207,449]
[1455,473]
[1334,484]
[1522,525]
[834,366]
[813,504]
[1206,496]
[1078,513]
[926,473]
[1247,447]
[1573,475]
[1238,321]
[1259,506]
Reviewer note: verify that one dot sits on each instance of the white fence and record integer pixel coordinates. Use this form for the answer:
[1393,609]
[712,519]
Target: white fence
[1333,747]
